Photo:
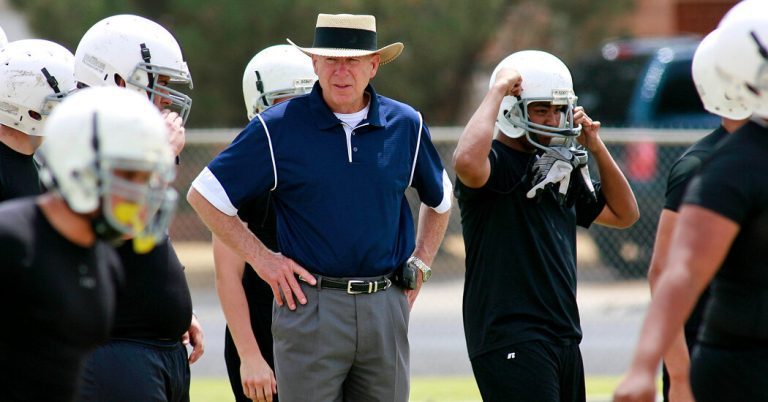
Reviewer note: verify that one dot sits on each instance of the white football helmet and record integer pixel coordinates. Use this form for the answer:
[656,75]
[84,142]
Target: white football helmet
[743,60]
[545,79]
[744,9]
[278,71]
[92,135]
[138,51]
[35,75]
[718,96]
[3,38]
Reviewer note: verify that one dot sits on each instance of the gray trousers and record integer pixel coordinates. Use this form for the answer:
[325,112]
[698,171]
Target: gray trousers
[341,347]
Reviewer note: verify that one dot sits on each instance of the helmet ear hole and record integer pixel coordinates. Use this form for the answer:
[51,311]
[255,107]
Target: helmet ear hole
[119,81]
[35,115]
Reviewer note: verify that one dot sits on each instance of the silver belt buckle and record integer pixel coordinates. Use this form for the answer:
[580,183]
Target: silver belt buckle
[355,292]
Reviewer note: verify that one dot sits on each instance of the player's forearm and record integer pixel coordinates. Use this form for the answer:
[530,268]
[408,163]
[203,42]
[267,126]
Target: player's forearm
[225,257]
[670,306]
[471,154]
[229,229]
[615,187]
[430,233]
[234,305]
[664,231]
[677,358]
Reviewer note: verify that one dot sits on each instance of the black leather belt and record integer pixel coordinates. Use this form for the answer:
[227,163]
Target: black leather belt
[354,286]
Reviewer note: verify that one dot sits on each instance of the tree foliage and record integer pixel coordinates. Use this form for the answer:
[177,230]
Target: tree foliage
[443,40]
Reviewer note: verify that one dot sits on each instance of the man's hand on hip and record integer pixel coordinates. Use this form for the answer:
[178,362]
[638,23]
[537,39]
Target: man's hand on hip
[280,273]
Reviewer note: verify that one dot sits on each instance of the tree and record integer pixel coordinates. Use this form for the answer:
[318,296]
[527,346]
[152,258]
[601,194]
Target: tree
[443,41]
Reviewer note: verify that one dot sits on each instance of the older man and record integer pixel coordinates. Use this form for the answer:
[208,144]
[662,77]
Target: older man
[337,163]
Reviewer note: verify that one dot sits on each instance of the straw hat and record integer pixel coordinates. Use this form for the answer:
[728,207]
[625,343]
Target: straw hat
[347,35]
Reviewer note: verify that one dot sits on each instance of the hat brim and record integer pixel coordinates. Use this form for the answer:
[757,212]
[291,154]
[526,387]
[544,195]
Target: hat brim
[387,53]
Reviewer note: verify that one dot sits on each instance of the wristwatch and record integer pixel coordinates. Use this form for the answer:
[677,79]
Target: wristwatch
[424,268]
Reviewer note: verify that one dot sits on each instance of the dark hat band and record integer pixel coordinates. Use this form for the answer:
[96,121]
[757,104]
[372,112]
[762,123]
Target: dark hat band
[345,38]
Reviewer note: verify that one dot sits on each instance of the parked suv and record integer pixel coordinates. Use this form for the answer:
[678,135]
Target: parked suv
[641,83]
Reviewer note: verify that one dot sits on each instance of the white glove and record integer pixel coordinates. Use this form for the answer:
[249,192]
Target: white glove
[554,166]
[580,163]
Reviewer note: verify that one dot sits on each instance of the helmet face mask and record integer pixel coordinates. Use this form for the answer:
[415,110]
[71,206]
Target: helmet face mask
[545,80]
[300,87]
[138,51]
[277,72]
[138,208]
[111,156]
[145,77]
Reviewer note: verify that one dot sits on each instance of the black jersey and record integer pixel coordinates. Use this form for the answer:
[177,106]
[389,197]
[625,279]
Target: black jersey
[521,258]
[680,175]
[60,303]
[687,165]
[734,184]
[18,174]
[155,302]
[260,217]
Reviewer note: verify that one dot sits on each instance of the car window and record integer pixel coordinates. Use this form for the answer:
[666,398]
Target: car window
[605,87]
[677,95]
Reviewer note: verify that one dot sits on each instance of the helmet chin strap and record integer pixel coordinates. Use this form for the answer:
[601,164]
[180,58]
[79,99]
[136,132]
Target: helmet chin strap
[105,231]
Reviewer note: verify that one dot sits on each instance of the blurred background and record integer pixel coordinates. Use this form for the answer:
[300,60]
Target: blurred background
[630,61]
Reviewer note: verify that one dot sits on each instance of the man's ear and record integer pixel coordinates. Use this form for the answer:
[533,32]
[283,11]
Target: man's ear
[315,60]
[376,61]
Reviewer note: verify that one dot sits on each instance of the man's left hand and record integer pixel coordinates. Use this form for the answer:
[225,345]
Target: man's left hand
[176,132]
[194,337]
[412,294]
[590,129]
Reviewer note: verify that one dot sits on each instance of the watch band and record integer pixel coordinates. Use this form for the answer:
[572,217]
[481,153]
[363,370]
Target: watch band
[426,271]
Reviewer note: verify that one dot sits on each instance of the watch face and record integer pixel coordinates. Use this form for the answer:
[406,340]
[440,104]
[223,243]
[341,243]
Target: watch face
[427,274]
[425,270]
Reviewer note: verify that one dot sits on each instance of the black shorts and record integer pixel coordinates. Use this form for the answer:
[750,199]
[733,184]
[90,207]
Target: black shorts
[734,375]
[130,371]
[531,371]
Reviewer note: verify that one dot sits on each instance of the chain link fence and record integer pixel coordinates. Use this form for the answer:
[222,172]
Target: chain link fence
[644,156]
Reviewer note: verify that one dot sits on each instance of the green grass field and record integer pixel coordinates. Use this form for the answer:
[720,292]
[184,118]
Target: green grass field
[423,389]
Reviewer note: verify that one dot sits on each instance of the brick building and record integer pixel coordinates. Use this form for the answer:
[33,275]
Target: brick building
[673,17]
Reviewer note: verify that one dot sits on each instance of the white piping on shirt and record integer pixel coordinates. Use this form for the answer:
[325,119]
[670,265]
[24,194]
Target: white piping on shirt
[348,129]
[271,151]
[416,156]
[445,204]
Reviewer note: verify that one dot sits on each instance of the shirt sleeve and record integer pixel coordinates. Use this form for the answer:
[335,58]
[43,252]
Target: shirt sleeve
[679,176]
[505,176]
[724,188]
[587,208]
[429,177]
[244,170]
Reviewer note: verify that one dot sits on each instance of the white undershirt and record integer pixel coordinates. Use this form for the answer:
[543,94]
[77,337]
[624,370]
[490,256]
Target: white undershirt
[349,122]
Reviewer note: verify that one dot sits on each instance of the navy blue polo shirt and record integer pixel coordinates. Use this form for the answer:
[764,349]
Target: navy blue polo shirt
[335,216]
